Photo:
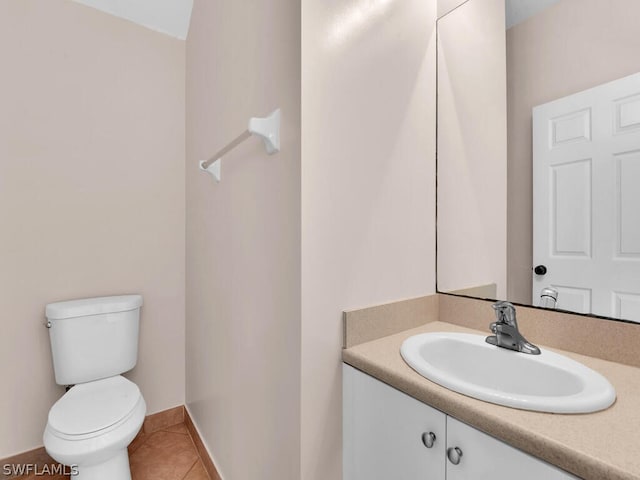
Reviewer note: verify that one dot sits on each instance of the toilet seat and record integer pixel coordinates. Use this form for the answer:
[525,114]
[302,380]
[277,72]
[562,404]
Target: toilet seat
[94,408]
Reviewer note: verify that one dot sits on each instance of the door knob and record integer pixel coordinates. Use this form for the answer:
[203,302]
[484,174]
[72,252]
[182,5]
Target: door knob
[454,455]
[428,439]
[540,270]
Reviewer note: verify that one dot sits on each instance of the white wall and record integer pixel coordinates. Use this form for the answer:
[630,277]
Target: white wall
[472,147]
[243,238]
[368,186]
[91,195]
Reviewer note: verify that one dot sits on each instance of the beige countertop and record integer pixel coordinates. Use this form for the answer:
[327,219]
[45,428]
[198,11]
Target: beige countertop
[597,446]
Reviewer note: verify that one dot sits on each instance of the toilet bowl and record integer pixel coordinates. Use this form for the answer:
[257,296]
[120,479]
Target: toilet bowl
[89,428]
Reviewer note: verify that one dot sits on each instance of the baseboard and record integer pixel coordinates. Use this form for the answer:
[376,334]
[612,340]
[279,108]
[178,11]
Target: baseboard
[38,459]
[26,463]
[157,421]
[166,418]
[205,456]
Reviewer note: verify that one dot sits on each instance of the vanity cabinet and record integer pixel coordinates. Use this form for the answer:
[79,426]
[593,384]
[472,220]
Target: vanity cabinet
[390,435]
[485,457]
[387,434]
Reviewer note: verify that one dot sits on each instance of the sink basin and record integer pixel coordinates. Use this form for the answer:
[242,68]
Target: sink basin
[548,382]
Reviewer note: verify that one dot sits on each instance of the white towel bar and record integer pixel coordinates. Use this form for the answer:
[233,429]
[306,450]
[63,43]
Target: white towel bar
[267,128]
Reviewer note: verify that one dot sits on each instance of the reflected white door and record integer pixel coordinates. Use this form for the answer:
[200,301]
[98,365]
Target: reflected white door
[586,199]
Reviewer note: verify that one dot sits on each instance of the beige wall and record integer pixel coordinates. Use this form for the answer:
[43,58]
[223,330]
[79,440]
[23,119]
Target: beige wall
[368,186]
[95,131]
[572,46]
[91,195]
[472,147]
[243,238]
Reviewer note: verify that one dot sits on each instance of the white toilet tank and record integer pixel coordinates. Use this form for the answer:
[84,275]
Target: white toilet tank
[93,338]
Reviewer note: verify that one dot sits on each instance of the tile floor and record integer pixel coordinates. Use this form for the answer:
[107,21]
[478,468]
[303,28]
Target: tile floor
[166,454]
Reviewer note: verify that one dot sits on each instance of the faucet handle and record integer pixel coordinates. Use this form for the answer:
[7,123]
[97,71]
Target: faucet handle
[505,330]
[502,304]
[505,313]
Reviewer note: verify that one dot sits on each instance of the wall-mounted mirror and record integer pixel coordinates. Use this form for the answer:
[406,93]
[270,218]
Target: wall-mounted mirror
[539,153]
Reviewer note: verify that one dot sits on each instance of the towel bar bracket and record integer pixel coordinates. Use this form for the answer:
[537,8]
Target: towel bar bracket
[213,168]
[267,128]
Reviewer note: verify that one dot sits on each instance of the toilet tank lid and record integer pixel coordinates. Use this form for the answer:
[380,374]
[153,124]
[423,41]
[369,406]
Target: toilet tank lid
[92,306]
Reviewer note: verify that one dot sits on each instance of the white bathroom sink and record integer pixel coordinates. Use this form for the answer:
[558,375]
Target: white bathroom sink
[548,382]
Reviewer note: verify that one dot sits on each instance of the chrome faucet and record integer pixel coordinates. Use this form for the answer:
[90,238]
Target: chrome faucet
[506,333]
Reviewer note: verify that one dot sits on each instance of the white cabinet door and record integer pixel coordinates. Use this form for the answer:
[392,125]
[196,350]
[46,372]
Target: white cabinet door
[484,457]
[383,429]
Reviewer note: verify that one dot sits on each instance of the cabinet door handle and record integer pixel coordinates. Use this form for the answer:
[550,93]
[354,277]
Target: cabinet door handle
[454,455]
[428,439]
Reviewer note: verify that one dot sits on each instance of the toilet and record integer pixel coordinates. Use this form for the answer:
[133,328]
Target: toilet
[94,341]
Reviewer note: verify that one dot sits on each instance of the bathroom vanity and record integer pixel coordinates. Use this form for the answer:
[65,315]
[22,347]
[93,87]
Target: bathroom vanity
[398,424]
[389,434]
[500,237]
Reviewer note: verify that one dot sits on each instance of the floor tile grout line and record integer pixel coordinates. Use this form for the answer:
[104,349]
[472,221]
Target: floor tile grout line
[197,452]
[169,431]
[144,438]
[192,467]
[194,448]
